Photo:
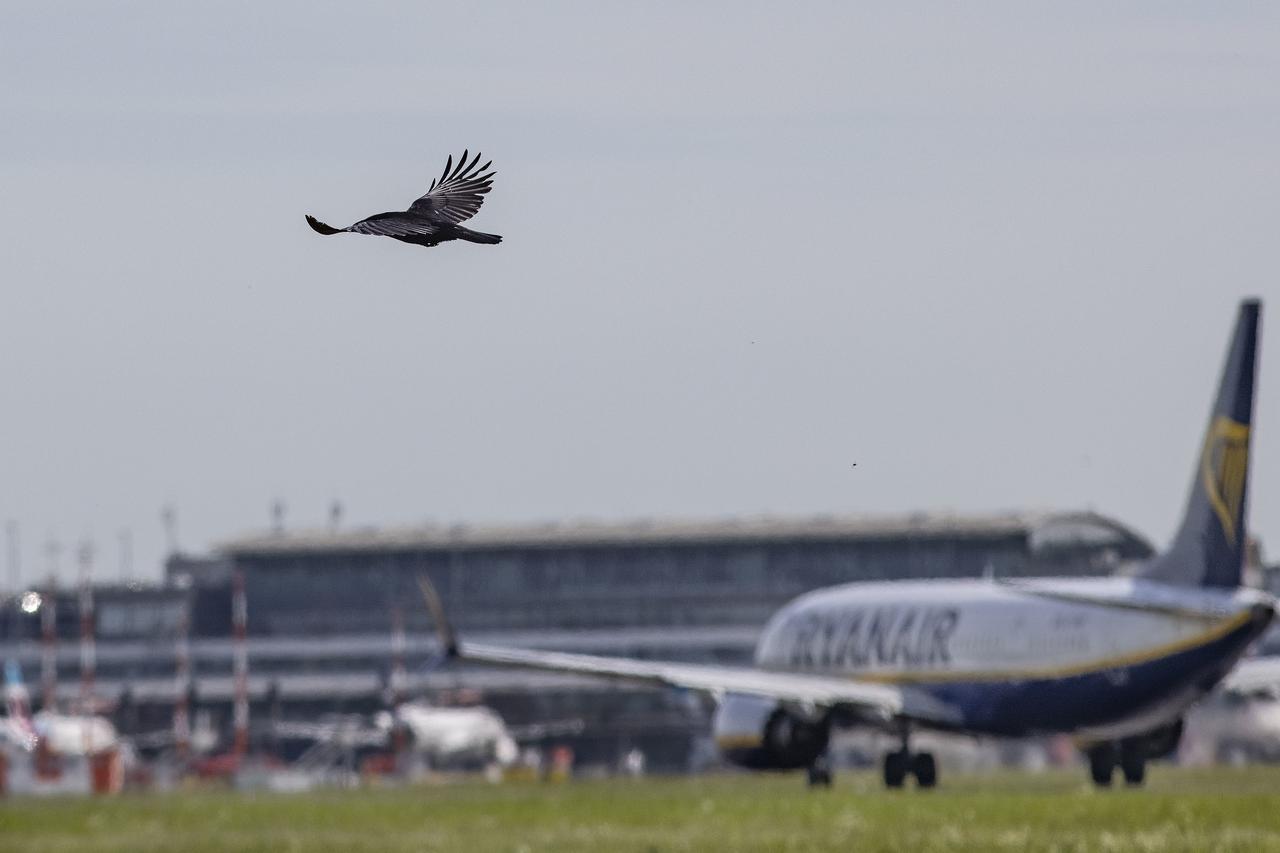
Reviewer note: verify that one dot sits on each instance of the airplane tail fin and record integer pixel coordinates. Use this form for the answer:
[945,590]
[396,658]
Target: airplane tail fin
[13,678]
[1209,547]
[15,695]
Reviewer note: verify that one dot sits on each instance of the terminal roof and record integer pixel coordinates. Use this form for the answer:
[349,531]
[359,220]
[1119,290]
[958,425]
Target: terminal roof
[1079,527]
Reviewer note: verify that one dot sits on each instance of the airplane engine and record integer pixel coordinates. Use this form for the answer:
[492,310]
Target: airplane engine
[764,735]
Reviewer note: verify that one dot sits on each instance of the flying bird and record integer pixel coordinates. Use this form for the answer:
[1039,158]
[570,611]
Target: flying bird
[436,217]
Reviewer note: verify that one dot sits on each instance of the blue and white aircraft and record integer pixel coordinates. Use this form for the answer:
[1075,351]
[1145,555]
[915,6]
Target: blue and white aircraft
[1115,662]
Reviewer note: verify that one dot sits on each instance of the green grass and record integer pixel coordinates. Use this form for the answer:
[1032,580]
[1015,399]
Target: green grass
[1218,809]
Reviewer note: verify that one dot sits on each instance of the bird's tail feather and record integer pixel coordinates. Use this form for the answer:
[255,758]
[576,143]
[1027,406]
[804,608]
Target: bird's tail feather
[477,236]
[320,227]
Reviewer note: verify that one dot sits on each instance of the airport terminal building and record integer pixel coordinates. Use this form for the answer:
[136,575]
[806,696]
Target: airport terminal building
[321,604]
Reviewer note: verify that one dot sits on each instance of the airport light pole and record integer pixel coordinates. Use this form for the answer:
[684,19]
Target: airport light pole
[169,518]
[126,555]
[88,651]
[49,644]
[15,581]
[398,677]
[49,630]
[239,624]
[182,684]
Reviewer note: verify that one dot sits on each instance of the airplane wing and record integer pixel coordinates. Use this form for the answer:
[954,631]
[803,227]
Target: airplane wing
[880,702]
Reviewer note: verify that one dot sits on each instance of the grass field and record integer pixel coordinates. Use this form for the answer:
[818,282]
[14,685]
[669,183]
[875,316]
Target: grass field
[1218,809]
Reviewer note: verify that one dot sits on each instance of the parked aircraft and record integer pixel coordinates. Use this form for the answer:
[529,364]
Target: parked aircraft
[447,738]
[61,734]
[56,753]
[1115,662]
[451,737]
[1240,721]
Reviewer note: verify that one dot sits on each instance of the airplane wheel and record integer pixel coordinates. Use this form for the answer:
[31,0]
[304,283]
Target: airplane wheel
[1133,763]
[820,773]
[1102,764]
[895,769]
[925,769]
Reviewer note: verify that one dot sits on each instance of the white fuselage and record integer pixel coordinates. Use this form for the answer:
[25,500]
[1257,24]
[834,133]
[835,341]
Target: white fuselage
[996,648]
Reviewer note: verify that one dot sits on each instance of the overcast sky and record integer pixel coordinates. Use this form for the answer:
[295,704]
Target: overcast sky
[993,258]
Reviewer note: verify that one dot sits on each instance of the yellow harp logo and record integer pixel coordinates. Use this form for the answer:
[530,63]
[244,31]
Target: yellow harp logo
[1223,468]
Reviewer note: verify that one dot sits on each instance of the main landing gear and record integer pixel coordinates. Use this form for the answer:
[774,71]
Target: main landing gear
[903,762]
[820,775]
[1129,754]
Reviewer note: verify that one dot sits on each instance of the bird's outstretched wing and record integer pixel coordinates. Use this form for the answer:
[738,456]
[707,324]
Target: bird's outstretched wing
[395,225]
[402,226]
[321,228]
[457,194]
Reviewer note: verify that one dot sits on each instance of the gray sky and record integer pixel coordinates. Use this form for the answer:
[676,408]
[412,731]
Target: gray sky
[991,258]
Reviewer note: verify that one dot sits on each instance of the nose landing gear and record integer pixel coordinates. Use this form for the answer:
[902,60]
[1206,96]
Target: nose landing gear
[903,762]
[900,764]
[925,769]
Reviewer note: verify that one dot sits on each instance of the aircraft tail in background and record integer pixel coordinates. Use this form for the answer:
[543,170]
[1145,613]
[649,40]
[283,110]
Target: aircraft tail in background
[18,708]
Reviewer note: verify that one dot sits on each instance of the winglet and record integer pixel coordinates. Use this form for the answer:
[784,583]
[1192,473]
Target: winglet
[448,639]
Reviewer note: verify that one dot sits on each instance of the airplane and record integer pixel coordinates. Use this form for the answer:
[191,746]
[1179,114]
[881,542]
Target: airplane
[458,736]
[1240,721]
[62,734]
[1115,662]
[473,735]
[446,738]
[55,753]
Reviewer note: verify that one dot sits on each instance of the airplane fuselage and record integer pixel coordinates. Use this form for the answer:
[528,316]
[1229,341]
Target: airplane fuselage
[1097,656]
